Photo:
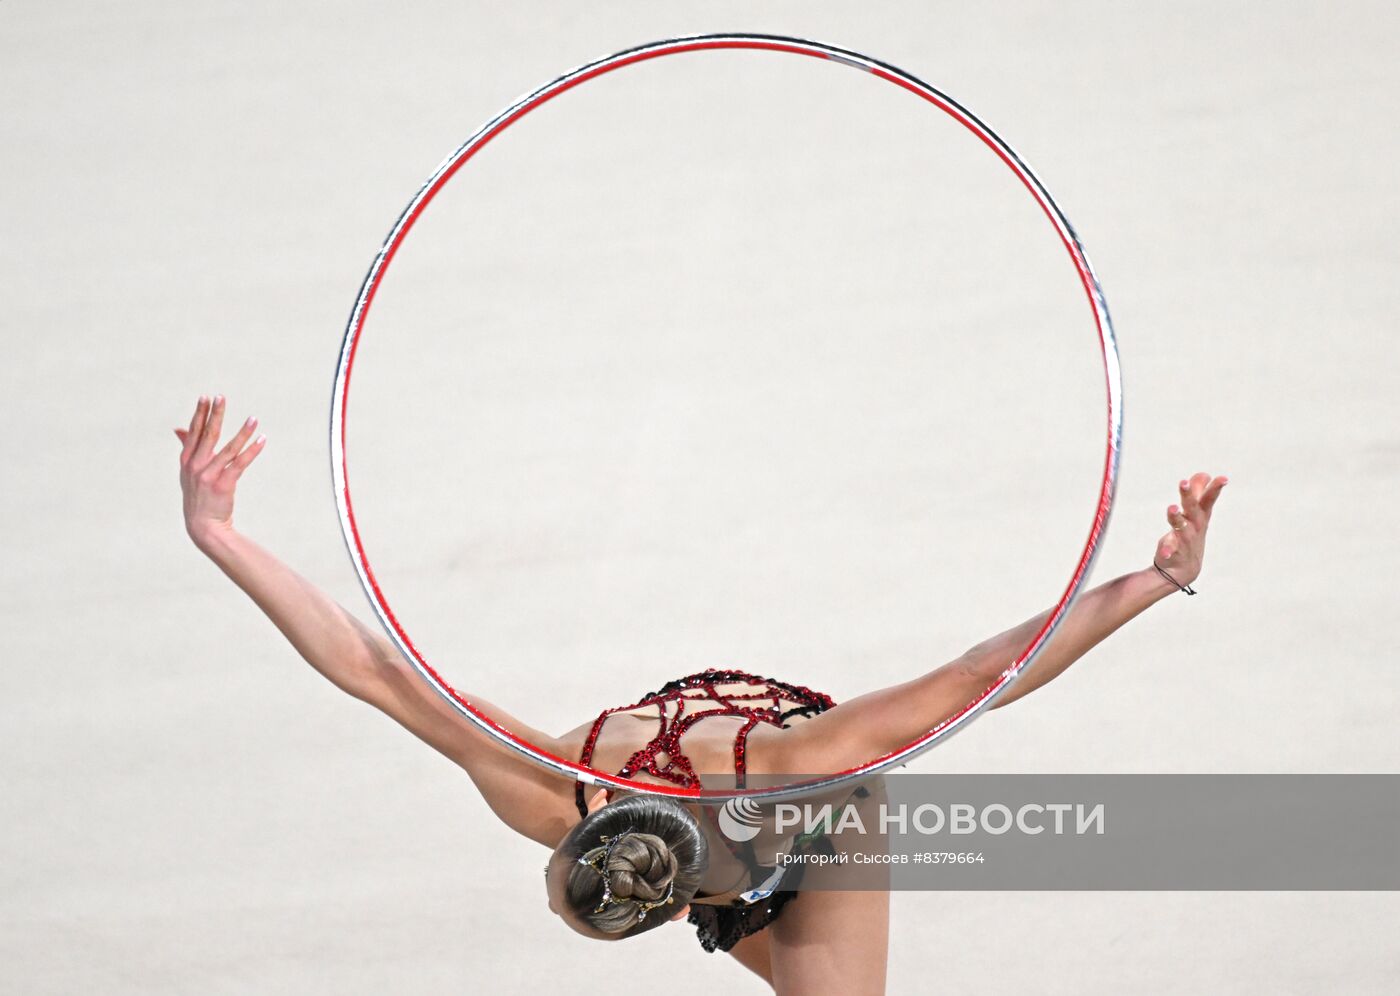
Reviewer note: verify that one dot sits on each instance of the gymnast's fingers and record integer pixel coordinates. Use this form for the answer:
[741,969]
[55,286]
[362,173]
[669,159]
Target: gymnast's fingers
[234,445]
[1190,503]
[1213,492]
[210,436]
[1199,481]
[191,437]
[1177,519]
[240,463]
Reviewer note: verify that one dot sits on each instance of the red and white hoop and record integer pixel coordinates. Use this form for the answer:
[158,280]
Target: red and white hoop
[498,124]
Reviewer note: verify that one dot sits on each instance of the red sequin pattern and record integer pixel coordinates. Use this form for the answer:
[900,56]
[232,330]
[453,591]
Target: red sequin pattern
[697,697]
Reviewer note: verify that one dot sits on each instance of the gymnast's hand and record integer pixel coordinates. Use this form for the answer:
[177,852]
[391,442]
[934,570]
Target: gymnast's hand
[207,476]
[1180,551]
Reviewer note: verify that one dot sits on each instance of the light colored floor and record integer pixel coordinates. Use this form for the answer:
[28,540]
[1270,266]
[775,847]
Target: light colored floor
[748,362]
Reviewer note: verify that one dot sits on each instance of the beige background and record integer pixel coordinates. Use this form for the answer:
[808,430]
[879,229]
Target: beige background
[745,362]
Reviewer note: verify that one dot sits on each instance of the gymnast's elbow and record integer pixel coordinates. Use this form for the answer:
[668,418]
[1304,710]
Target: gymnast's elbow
[979,671]
[379,683]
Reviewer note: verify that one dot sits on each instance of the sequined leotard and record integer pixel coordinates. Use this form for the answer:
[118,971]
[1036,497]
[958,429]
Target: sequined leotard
[698,697]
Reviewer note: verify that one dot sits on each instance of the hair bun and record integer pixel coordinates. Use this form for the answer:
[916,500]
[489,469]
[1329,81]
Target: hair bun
[631,857]
[641,867]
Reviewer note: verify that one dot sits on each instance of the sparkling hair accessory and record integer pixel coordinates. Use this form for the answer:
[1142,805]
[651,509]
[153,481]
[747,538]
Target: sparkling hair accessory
[599,863]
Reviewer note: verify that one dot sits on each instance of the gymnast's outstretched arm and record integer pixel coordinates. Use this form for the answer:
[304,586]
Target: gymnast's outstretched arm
[349,654]
[879,722]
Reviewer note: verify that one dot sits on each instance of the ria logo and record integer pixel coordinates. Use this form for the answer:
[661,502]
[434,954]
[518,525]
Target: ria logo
[740,819]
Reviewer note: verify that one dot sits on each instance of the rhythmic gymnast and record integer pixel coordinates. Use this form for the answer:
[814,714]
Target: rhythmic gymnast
[623,866]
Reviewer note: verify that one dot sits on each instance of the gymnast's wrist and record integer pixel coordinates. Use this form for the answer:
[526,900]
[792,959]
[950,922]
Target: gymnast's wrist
[212,538]
[1167,581]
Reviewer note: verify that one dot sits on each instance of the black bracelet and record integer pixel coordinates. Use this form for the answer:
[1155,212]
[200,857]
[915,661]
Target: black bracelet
[1184,587]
